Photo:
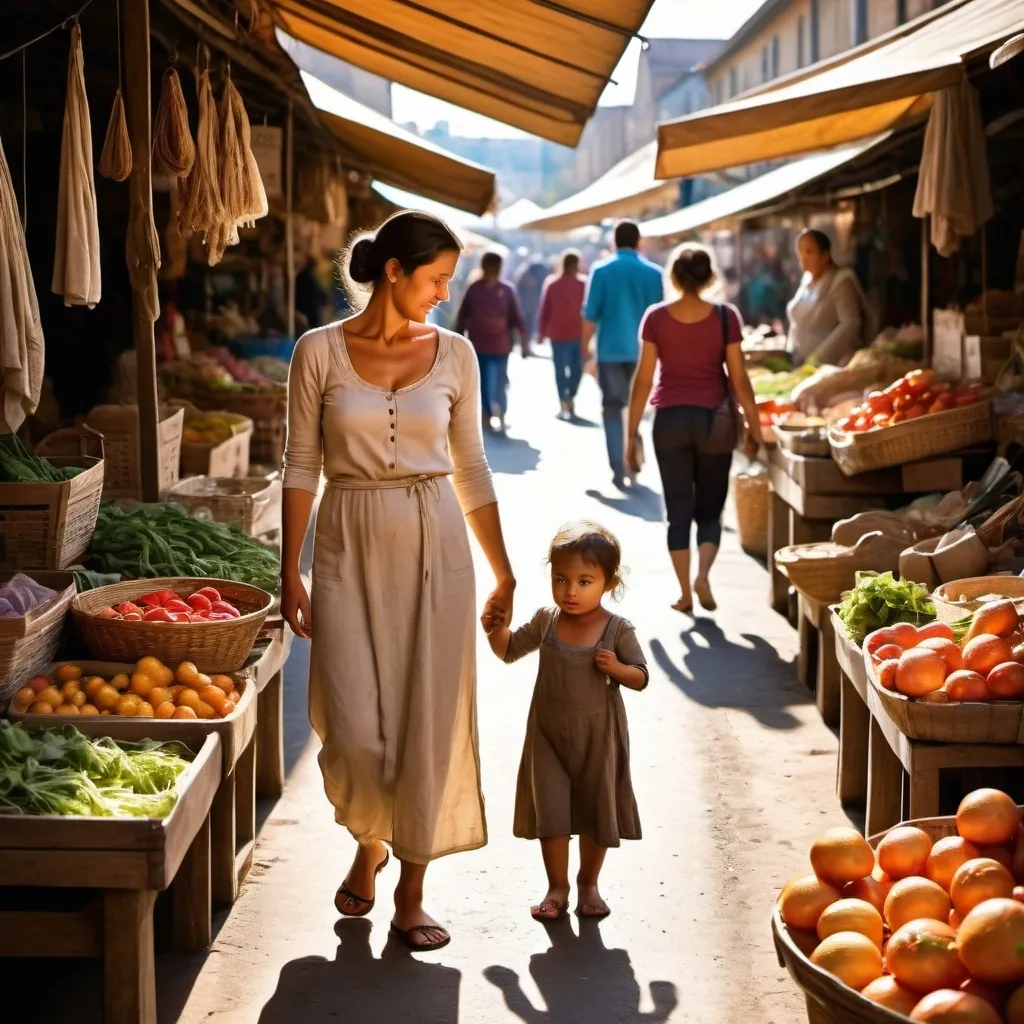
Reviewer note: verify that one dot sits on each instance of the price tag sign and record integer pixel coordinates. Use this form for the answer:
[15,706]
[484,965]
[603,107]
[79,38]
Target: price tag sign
[948,344]
[972,357]
[267,146]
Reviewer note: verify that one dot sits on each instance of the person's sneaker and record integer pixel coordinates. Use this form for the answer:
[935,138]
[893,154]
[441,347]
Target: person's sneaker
[502,426]
[630,478]
[619,481]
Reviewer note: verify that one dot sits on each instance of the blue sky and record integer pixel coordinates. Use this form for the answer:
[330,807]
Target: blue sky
[692,19]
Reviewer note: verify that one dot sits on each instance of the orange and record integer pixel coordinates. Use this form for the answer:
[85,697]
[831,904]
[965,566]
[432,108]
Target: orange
[155,668]
[186,674]
[40,707]
[888,992]
[985,651]
[966,686]
[955,920]
[65,709]
[988,817]
[88,709]
[853,958]
[106,698]
[188,698]
[128,705]
[998,618]
[998,853]
[158,695]
[991,942]
[184,712]
[904,851]
[1006,681]
[851,916]
[922,955]
[868,889]
[920,671]
[949,1007]
[145,709]
[948,650]
[69,689]
[886,673]
[992,994]
[911,899]
[165,710]
[803,899]
[120,681]
[841,855]
[946,856]
[1014,1011]
[978,880]
[65,673]
[142,683]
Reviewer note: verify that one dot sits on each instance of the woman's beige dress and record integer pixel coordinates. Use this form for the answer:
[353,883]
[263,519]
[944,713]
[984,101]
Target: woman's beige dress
[392,679]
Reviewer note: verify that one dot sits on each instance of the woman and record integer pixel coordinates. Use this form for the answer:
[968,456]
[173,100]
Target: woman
[826,314]
[561,320]
[488,315]
[378,401]
[688,340]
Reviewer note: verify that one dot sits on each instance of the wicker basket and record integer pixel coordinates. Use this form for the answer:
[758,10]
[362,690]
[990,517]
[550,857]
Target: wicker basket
[119,425]
[751,495]
[29,644]
[829,1001]
[228,458]
[956,600]
[252,504]
[911,440]
[268,411]
[962,722]
[49,526]
[211,646]
[801,440]
[823,572]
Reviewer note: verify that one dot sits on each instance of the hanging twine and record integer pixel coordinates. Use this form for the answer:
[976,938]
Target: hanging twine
[116,158]
[174,152]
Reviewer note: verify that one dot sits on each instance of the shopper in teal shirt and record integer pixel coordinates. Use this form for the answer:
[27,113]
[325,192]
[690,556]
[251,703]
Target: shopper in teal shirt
[620,290]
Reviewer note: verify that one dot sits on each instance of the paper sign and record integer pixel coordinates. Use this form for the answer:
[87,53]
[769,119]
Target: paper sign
[947,343]
[267,145]
[972,357]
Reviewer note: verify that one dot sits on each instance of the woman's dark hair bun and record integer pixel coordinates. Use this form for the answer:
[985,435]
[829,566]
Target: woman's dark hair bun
[693,268]
[363,266]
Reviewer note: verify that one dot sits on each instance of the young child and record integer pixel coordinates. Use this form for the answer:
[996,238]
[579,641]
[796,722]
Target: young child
[574,774]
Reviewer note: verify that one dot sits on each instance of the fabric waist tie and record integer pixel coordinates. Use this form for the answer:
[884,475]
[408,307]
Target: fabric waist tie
[423,488]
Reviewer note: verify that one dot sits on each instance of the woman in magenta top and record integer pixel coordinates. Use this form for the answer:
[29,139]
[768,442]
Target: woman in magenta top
[693,347]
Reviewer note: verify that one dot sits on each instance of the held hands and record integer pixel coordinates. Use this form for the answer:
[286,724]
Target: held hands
[498,609]
[295,606]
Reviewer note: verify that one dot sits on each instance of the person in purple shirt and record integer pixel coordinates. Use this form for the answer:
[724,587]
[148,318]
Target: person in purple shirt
[488,315]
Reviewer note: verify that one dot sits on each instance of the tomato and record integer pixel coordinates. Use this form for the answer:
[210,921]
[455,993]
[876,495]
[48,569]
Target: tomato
[861,423]
[913,412]
[157,614]
[941,404]
[934,630]
[880,419]
[199,603]
[897,417]
[888,651]
[919,381]
[926,399]
[905,634]
[177,605]
[209,593]
[181,616]
[879,638]
[878,402]
[900,402]
[127,608]
[962,401]
[846,423]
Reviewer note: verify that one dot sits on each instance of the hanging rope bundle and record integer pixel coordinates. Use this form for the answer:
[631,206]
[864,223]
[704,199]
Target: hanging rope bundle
[116,158]
[254,196]
[232,159]
[174,152]
[202,209]
[76,264]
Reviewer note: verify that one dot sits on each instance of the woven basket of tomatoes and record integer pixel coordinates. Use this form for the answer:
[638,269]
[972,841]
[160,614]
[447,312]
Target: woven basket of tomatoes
[210,623]
[914,418]
[941,689]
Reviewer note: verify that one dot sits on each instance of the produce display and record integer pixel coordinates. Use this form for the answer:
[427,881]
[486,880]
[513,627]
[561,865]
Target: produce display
[153,690]
[879,599]
[929,663]
[930,929]
[18,465]
[271,367]
[166,606]
[21,595]
[163,540]
[209,428]
[218,370]
[62,771]
[918,393]
[780,384]
[830,386]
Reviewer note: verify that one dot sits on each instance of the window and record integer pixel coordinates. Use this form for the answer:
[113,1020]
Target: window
[775,56]
[765,68]
[815,31]
[801,46]
[732,83]
[901,11]
[860,22]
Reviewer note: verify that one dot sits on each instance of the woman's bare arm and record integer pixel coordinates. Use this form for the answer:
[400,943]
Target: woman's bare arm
[643,382]
[736,365]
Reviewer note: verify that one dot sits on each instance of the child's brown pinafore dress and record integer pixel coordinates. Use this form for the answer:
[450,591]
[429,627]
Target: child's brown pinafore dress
[574,775]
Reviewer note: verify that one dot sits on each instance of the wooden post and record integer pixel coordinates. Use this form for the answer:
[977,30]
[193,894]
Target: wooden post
[289,223]
[926,314]
[138,103]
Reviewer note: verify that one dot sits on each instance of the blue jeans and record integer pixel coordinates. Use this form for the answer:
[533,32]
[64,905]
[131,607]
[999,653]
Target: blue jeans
[493,384]
[568,368]
[615,381]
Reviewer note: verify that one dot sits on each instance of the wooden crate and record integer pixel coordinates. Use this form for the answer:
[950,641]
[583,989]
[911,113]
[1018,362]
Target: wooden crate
[129,860]
[229,458]
[252,504]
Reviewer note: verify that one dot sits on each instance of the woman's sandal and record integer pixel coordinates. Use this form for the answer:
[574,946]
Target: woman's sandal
[344,894]
[406,935]
[562,910]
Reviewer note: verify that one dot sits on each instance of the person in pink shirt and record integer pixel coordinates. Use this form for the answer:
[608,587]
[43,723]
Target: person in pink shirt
[560,320]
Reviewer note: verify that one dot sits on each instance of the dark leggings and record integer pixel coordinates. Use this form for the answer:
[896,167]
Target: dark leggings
[695,481]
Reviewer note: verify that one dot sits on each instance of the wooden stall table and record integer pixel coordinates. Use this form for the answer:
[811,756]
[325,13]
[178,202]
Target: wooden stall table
[266,667]
[854,719]
[817,665]
[127,861]
[905,771]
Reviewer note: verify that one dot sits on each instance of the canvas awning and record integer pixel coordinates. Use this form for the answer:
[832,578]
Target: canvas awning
[853,96]
[539,65]
[392,154]
[628,189]
[754,195]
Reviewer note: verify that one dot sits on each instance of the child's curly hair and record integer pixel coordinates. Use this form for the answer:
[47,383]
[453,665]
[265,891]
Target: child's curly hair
[596,546]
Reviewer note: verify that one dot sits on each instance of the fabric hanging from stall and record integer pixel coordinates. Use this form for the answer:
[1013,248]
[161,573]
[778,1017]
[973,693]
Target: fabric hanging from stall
[174,152]
[21,331]
[953,185]
[76,265]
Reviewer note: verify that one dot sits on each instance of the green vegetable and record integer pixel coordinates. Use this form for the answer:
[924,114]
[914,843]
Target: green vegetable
[164,540]
[19,465]
[878,599]
[778,385]
[62,771]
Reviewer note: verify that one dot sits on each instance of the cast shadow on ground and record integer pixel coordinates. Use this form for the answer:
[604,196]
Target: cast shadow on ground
[356,986]
[511,455]
[717,673]
[580,979]
[640,502]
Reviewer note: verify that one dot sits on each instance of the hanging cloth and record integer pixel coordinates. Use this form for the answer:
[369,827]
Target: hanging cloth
[76,265]
[953,184]
[21,331]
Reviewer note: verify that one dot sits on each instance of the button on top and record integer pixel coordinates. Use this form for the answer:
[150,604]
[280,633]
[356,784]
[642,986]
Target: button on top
[390,397]
[391,465]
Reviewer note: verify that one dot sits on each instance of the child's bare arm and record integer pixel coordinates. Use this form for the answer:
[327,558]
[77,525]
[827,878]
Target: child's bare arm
[633,676]
[500,639]
[512,645]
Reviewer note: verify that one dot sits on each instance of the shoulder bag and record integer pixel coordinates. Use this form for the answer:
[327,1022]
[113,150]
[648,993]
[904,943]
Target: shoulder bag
[726,429]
